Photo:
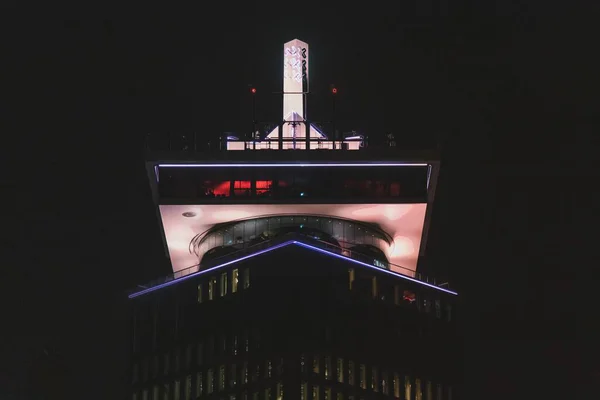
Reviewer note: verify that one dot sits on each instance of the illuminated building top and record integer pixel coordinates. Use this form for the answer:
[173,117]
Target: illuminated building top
[292,132]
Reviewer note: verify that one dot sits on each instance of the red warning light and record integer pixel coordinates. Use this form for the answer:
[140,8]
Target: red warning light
[253,90]
[334,90]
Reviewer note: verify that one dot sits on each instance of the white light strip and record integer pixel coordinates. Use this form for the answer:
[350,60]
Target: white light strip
[249,165]
[395,274]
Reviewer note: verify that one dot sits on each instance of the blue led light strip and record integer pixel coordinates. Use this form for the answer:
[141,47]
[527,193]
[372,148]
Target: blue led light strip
[307,246]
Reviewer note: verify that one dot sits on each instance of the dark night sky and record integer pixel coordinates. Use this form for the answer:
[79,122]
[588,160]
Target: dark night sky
[498,85]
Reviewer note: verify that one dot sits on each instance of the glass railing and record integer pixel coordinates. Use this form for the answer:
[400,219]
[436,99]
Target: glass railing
[281,240]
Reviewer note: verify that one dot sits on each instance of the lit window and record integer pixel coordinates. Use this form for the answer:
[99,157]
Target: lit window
[351,373]
[438,309]
[279,391]
[199,384]
[384,383]
[176,390]
[246,341]
[327,367]
[407,388]
[374,287]
[303,391]
[268,394]
[340,370]
[255,396]
[155,392]
[256,374]
[234,280]
[315,392]
[212,284]
[396,384]
[418,389]
[223,284]
[339,396]
[362,377]
[221,382]
[269,368]
[328,393]
[374,379]
[246,278]
[199,293]
[134,396]
[145,394]
[210,381]
[188,387]
[428,391]
[350,278]
[315,365]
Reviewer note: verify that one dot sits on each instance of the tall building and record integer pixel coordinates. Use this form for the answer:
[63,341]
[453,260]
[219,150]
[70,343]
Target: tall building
[295,272]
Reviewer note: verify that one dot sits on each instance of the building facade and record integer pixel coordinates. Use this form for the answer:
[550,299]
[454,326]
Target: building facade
[295,275]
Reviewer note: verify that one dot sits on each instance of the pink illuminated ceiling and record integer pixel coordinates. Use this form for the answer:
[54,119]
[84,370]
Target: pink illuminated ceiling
[403,222]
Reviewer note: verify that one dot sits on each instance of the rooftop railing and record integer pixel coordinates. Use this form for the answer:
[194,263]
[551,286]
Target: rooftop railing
[281,241]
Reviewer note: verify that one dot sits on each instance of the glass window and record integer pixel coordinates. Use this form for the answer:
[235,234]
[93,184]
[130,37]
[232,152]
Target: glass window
[134,373]
[374,379]
[155,392]
[166,391]
[418,389]
[232,376]
[212,285]
[340,370]
[396,383]
[245,372]
[279,391]
[428,391]
[188,387]
[374,287]
[223,284]
[351,373]
[234,280]
[246,278]
[199,296]
[328,393]
[221,382]
[176,390]
[327,367]
[188,356]
[407,388]
[384,383]
[166,363]
[362,382]
[396,295]
[304,391]
[199,384]
[269,369]
[315,392]
[268,394]
[210,381]
[350,278]
[316,363]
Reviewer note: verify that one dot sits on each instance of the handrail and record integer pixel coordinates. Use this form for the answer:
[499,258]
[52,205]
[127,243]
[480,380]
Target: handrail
[279,240]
